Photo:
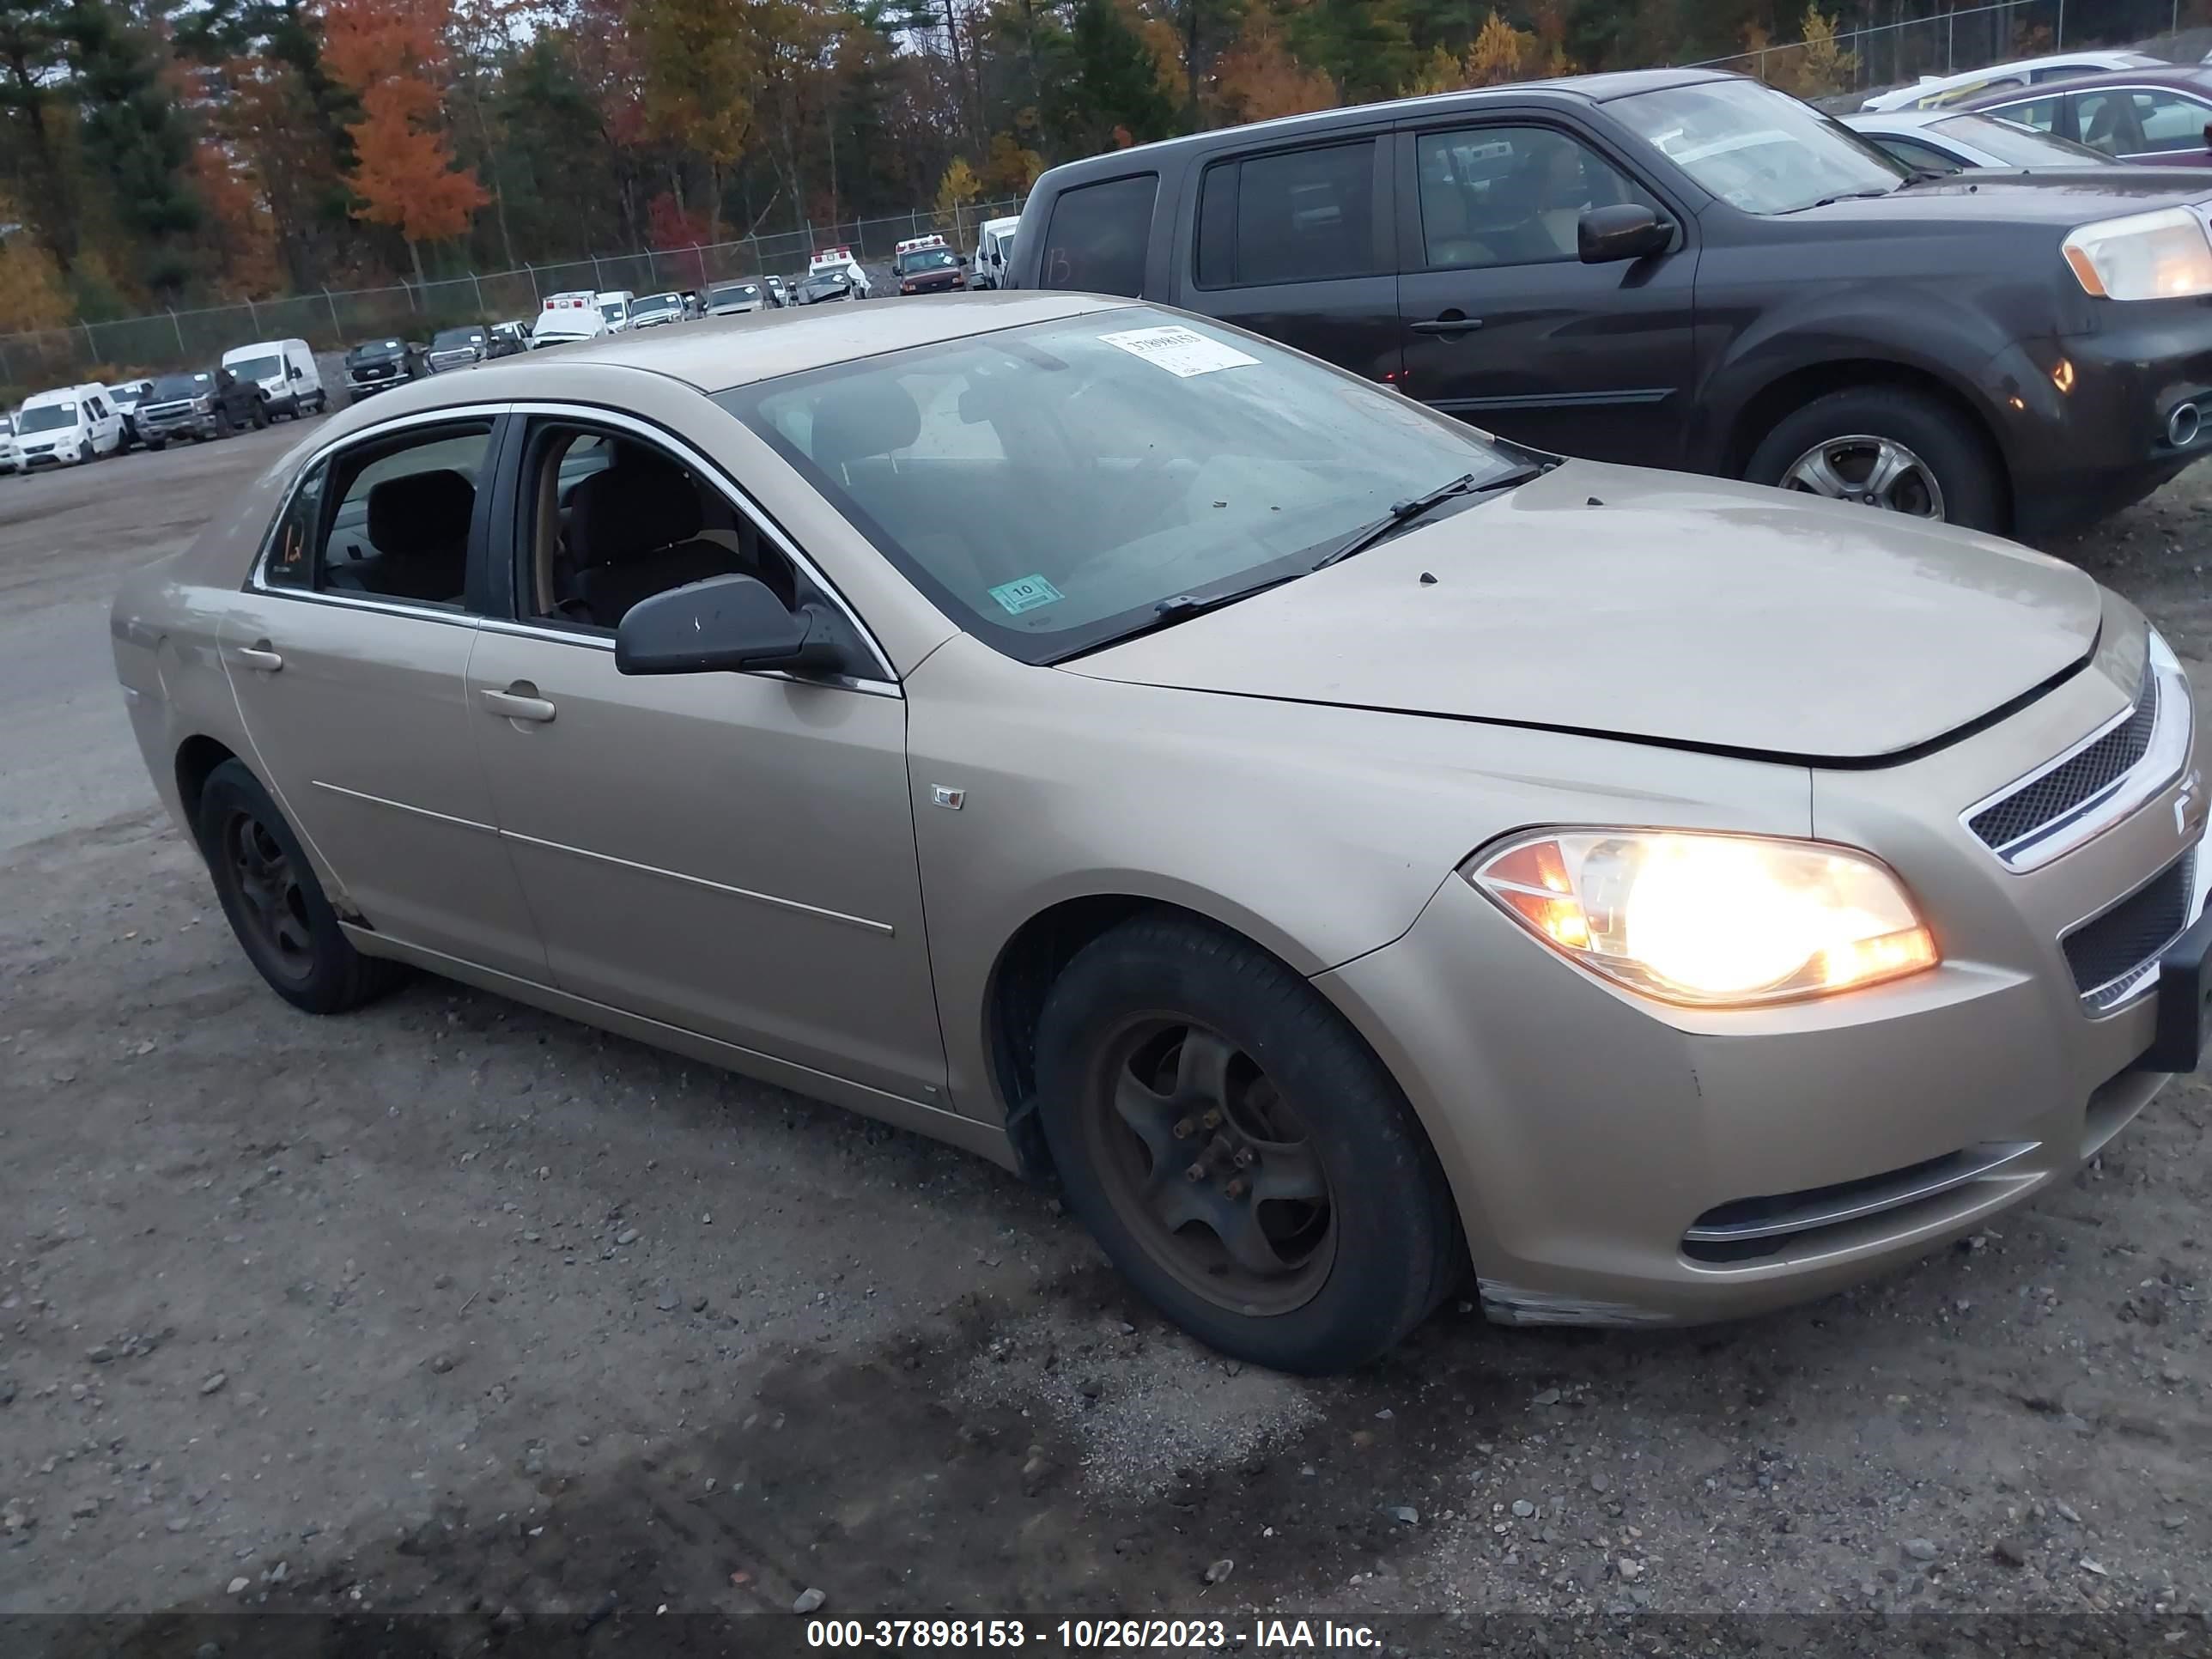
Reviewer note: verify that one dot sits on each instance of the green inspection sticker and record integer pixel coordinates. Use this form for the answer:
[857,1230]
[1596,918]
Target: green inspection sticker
[1025,593]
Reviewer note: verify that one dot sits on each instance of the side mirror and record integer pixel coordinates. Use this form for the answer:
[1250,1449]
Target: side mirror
[724,623]
[296,374]
[1628,230]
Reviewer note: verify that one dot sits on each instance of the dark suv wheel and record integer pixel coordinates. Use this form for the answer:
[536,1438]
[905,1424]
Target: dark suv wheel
[1889,447]
[275,904]
[1238,1151]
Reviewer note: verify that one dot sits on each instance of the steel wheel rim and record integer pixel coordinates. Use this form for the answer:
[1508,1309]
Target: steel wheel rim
[1254,1231]
[272,899]
[1869,470]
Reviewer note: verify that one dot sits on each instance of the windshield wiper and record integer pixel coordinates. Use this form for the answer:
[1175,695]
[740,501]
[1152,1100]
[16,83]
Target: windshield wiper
[1404,513]
[1850,196]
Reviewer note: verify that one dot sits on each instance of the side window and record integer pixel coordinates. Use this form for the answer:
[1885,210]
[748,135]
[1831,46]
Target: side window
[2170,122]
[1097,237]
[1511,196]
[387,518]
[96,408]
[1303,215]
[2041,113]
[2106,121]
[612,520]
[1915,153]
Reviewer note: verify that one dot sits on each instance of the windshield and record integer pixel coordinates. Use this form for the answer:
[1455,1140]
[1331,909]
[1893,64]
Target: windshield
[2019,146]
[930,259]
[1179,460]
[447,338]
[48,417]
[172,388]
[654,304]
[611,310]
[257,368]
[126,396]
[822,285]
[369,349]
[740,291]
[1757,149]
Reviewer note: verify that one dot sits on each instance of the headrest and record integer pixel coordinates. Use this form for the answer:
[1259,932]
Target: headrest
[855,420]
[641,503]
[421,512]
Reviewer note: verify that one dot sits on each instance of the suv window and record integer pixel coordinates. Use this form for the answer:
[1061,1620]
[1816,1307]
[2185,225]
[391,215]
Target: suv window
[614,520]
[2107,122]
[1301,216]
[1098,234]
[2163,123]
[2041,113]
[1510,195]
[387,518]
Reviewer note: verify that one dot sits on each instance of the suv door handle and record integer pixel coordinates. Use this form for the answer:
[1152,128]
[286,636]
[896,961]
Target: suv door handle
[1450,323]
[520,702]
[259,655]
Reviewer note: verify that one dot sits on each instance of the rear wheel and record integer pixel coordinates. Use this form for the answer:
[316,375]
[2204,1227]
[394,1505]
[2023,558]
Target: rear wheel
[275,904]
[1240,1154]
[1888,447]
[222,426]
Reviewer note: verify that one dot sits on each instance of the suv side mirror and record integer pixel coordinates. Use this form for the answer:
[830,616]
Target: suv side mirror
[1627,230]
[724,623]
[296,374]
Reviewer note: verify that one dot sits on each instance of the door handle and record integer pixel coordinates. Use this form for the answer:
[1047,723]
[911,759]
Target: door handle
[520,702]
[1451,324]
[259,655]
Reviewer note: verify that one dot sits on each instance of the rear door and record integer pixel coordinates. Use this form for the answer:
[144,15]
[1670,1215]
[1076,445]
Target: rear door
[348,654]
[1504,323]
[1294,242]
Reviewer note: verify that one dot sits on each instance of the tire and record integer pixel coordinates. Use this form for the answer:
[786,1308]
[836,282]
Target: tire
[223,428]
[274,903]
[1969,482]
[1171,1012]
[157,445]
[260,417]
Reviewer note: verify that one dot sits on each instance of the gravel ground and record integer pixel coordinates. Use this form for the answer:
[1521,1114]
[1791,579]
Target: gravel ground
[453,1306]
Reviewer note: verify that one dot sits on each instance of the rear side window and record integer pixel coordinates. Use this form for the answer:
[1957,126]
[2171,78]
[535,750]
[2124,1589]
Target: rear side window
[1097,239]
[387,518]
[1300,216]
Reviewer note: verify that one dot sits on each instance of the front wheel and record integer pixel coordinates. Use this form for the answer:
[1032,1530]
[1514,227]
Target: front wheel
[274,903]
[260,416]
[1242,1157]
[222,426]
[1888,447]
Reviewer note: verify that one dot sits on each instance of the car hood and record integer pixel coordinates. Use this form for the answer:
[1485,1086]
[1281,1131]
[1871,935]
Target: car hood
[1657,607]
[2066,195]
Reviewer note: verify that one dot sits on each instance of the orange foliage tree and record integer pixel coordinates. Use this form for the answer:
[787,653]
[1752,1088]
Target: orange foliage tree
[391,53]
[1257,78]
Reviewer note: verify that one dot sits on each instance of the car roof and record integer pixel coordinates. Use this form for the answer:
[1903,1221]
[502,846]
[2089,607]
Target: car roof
[716,354]
[2190,76]
[1589,88]
[1863,120]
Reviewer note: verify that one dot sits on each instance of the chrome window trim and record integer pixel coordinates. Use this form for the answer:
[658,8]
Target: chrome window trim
[593,413]
[256,580]
[2162,762]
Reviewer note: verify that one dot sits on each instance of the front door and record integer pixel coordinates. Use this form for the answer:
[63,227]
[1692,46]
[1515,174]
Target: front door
[349,657]
[1505,326]
[730,853]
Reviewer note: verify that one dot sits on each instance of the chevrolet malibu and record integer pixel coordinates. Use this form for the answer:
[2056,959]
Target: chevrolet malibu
[1345,851]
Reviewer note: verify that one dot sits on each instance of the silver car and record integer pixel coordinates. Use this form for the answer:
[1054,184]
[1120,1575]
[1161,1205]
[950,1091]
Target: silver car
[1347,853]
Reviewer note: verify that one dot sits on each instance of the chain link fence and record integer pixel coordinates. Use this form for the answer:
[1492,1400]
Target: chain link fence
[333,318]
[1836,70]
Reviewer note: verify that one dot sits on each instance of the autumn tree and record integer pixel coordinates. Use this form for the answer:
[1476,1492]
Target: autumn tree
[1011,167]
[393,54]
[1500,53]
[1441,71]
[31,294]
[699,70]
[955,191]
[1258,79]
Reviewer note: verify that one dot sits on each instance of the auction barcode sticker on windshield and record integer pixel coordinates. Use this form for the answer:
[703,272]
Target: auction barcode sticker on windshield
[1182,351]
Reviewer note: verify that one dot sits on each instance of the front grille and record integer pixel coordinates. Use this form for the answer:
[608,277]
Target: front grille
[2109,954]
[165,412]
[2082,778]
[1749,1229]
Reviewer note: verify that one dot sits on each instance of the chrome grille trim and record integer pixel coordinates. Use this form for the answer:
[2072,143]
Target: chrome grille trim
[1829,1206]
[2096,797]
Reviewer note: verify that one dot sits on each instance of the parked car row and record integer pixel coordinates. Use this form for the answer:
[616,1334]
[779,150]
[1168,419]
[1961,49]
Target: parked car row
[1685,269]
[252,386]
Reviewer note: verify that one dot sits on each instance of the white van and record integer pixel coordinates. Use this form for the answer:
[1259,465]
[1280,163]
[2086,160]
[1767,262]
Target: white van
[614,305]
[65,426]
[994,246]
[286,372]
[564,318]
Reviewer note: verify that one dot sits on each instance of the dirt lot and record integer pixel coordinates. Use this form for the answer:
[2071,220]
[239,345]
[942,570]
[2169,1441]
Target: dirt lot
[454,1306]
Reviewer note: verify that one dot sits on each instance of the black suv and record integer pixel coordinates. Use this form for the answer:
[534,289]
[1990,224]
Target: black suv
[375,366]
[1682,269]
[203,403]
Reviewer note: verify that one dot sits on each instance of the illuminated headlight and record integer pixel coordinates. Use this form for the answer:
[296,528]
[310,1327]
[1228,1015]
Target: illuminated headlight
[1708,918]
[2166,255]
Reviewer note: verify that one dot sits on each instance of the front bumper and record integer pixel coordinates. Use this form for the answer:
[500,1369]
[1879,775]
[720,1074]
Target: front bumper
[2084,415]
[195,426]
[357,390]
[33,459]
[1618,1161]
